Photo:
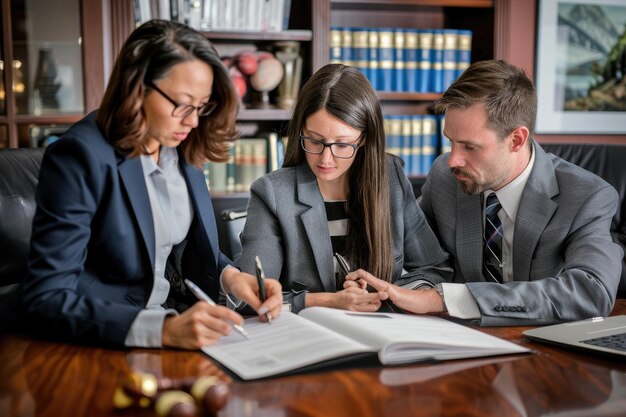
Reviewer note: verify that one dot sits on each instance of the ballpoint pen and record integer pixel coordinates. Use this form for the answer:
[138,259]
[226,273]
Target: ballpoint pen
[260,278]
[346,270]
[201,295]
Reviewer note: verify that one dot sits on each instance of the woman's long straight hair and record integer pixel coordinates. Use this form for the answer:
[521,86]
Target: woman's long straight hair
[345,93]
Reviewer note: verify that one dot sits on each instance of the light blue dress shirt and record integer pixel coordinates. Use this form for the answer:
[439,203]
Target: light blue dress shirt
[172,214]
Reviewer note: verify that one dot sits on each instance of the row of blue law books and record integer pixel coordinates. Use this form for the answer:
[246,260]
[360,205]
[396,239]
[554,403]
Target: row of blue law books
[403,60]
[416,139]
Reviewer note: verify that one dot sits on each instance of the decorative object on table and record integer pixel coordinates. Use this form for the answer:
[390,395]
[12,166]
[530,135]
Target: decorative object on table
[288,52]
[259,69]
[46,89]
[172,398]
[581,66]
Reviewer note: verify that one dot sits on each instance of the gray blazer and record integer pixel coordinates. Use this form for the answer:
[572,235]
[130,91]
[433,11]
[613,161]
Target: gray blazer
[565,265]
[287,228]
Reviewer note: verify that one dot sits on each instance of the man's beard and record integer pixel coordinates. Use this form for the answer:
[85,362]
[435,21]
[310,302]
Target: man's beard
[471,185]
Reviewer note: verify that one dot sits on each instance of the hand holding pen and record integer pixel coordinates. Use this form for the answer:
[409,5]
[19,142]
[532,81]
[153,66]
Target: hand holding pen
[260,277]
[345,268]
[201,295]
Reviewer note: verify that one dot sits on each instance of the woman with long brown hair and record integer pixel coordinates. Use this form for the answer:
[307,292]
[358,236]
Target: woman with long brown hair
[338,192]
[123,212]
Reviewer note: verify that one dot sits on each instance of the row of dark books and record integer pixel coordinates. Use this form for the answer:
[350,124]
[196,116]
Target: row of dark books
[417,140]
[403,60]
[250,159]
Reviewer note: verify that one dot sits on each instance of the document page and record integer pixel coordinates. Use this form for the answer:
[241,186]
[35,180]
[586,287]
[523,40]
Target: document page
[288,343]
[403,338]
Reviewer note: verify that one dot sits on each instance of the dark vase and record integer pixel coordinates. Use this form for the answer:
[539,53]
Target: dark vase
[44,80]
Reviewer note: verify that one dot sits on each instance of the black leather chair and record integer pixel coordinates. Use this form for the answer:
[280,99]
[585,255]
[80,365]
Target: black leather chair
[19,171]
[234,221]
[608,162]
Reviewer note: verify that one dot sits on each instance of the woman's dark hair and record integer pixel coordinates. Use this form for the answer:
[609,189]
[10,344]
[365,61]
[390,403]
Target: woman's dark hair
[345,93]
[148,54]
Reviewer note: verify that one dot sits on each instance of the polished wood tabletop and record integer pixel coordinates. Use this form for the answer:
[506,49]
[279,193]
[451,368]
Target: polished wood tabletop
[39,378]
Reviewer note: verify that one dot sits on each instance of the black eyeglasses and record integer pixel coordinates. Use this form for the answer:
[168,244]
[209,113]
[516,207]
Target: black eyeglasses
[338,149]
[184,110]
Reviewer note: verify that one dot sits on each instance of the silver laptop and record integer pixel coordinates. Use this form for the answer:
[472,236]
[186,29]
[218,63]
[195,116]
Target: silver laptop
[606,335]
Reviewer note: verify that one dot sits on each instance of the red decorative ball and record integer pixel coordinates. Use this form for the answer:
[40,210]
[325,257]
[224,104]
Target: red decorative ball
[247,63]
[240,85]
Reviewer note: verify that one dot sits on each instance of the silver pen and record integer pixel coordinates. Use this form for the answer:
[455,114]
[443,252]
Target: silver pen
[201,295]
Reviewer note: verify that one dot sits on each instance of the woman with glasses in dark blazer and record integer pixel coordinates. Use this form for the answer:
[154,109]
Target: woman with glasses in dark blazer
[123,211]
[338,192]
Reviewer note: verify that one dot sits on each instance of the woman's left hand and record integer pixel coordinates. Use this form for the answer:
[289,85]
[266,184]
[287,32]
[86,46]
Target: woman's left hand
[244,286]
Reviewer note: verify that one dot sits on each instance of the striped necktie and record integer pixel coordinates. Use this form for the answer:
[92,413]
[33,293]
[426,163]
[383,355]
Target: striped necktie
[492,253]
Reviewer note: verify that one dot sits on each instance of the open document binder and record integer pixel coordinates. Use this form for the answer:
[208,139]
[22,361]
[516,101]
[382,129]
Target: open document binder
[319,335]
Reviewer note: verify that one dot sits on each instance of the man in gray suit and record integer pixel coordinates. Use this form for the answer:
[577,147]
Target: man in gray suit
[528,231]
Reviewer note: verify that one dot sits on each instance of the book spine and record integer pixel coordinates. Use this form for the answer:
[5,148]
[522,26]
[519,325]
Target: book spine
[405,150]
[258,161]
[286,14]
[231,171]
[429,142]
[385,59]
[425,65]
[335,45]
[394,137]
[415,154]
[217,176]
[194,15]
[464,51]
[446,145]
[372,43]
[174,10]
[272,152]
[361,50]
[436,60]
[164,9]
[450,38]
[411,39]
[347,54]
[398,60]
[277,8]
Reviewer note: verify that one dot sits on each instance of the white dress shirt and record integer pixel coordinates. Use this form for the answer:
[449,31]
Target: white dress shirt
[459,300]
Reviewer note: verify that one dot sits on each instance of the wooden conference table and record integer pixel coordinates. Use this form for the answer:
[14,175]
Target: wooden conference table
[40,378]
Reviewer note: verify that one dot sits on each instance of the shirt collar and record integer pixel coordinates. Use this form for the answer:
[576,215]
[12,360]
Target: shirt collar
[510,195]
[168,157]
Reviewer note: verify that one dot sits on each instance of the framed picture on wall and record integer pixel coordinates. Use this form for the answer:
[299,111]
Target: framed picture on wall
[581,66]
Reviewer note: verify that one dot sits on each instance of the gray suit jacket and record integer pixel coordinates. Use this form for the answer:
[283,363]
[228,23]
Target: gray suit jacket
[287,228]
[565,265]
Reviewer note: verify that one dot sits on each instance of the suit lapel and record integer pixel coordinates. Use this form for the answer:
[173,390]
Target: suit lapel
[132,176]
[469,234]
[201,201]
[535,210]
[314,220]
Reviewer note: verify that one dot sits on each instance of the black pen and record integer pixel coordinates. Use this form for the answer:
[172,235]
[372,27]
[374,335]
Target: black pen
[260,279]
[201,295]
[342,264]
[346,270]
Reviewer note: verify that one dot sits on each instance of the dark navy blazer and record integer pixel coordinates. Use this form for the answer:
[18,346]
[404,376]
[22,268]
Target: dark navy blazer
[92,249]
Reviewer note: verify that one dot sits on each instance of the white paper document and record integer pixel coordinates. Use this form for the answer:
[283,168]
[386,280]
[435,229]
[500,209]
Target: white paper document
[319,334]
